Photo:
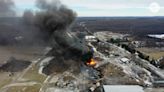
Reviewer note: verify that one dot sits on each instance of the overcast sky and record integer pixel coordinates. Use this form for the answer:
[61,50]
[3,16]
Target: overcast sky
[106,7]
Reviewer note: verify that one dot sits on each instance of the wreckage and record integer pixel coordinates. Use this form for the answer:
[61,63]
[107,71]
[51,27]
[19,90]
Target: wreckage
[70,55]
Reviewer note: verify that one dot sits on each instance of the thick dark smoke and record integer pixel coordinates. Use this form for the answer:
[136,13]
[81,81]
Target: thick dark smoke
[55,19]
[28,17]
[7,8]
[53,16]
[40,25]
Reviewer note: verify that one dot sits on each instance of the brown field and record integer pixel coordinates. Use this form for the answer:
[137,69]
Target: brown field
[20,53]
[34,88]
[154,53]
[4,79]
[154,90]
[24,53]
[33,75]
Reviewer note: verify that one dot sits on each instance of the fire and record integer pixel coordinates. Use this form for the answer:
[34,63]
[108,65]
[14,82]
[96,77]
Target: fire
[91,62]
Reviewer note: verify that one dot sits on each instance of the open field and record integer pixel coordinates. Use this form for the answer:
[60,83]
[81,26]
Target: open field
[4,79]
[33,75]
[34,88]
[20,53]
[154,90]
[154,53]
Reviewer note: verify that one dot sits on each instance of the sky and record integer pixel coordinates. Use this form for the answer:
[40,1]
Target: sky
[105,7]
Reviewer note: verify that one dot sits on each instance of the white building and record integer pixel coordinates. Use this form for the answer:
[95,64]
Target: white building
[90,38]
[124,60]
[122,88]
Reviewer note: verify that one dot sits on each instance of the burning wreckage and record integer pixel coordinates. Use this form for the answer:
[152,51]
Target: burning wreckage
[72,58]
[78,64]
[70,62]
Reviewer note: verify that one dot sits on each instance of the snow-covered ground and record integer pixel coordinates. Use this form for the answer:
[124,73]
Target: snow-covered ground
[160,36]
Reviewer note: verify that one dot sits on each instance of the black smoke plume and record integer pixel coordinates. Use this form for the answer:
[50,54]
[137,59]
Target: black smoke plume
[39,25]
[53,16]
[7,8]
[55,19]
[28,17]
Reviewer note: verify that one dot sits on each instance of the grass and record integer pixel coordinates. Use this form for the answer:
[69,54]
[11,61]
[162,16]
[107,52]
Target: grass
[156,55]
[34,88]
[152,52]
[33,75]
[5,82]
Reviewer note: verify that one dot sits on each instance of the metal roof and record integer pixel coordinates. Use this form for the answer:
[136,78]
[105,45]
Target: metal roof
[123,88]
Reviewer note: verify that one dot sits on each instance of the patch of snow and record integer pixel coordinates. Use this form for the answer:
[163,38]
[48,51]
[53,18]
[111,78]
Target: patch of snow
[160,36]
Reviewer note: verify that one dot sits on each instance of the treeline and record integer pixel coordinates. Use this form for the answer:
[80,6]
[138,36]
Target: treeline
[129,48]
[132,50]
[139,25]
[143,56]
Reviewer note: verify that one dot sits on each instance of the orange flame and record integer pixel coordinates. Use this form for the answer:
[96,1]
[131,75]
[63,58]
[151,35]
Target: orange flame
[91,62]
